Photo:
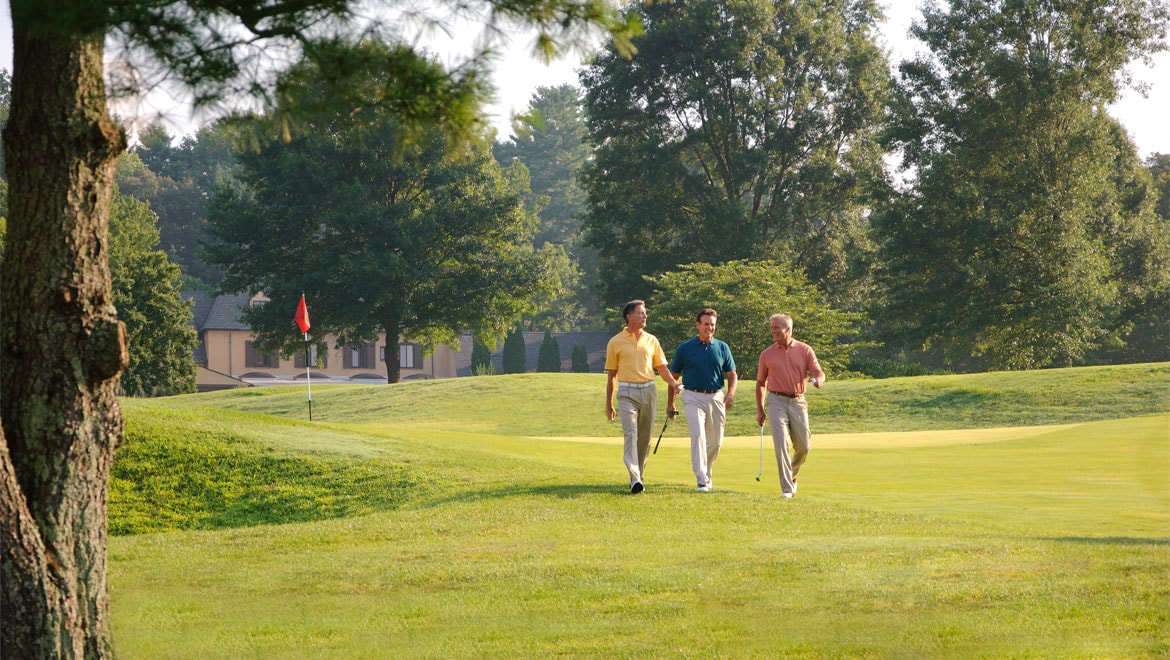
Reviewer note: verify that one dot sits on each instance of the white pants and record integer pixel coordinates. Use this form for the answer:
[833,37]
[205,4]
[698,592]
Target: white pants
[705,416]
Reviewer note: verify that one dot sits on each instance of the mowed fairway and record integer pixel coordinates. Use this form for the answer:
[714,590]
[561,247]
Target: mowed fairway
[425,538]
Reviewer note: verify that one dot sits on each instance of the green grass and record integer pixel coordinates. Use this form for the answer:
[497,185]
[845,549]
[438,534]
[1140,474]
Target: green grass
[574,404]
[481,531]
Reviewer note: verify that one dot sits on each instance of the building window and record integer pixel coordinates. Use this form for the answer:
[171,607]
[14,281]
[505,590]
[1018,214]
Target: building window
[410,356]
[359,357]
[256,358]
[319,359]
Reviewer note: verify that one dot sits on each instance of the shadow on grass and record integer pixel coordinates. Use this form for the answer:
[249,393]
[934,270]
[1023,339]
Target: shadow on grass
[1106,540]
[558,491]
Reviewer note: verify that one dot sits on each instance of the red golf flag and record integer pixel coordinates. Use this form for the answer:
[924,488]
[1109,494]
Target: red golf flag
[302,317]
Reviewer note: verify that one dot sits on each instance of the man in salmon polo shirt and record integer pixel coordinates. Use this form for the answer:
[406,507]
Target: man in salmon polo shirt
[631,358]
[783,370]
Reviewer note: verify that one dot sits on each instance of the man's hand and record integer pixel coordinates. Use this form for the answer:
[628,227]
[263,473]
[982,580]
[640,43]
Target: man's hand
[728,400]
[609,411]
[671,412]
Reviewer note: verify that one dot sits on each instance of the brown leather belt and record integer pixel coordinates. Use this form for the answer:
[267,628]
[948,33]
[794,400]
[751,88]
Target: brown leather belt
[703,391]
[790,396]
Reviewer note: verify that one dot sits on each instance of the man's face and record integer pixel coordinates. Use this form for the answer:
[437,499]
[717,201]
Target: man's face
[637,318]
[706,328]
[781,331]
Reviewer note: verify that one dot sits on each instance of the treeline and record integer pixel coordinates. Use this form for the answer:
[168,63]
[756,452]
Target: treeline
[979,209]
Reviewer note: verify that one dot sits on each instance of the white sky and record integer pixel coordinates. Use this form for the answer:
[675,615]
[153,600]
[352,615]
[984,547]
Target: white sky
[518,75]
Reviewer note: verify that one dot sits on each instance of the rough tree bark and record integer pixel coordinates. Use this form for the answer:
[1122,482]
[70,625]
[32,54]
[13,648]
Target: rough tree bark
[61,347]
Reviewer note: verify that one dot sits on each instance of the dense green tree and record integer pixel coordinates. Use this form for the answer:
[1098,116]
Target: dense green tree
[424,241]
[549,357]
[580,359]
[61,342]
[1015,244]
[558,306]
[180,207]
[5,104]
[742,129]
[177,181]
[549,141]
[514,356]
[146,293]
[746,294]
[1159,166]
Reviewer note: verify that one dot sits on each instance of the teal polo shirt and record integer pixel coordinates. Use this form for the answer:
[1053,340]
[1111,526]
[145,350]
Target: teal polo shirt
[702,365]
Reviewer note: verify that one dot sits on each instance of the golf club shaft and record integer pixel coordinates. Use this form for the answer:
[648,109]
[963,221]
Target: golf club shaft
[660,434]
[761,473]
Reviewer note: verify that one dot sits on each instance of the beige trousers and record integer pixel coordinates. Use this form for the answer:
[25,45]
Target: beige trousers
[789,419]
[636,406]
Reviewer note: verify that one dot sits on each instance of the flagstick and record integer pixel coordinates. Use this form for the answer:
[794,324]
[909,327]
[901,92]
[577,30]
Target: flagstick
[308,376]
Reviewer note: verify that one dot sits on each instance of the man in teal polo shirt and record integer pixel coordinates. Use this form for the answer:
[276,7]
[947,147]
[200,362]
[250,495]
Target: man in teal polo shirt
[703,363]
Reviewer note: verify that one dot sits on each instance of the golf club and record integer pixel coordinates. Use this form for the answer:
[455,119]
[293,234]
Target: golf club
[761,453]
[669,415]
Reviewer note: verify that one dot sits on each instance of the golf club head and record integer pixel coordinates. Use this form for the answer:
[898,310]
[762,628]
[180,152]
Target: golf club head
[757,478]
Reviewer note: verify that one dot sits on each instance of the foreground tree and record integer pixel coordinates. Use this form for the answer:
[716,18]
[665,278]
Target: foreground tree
[1017,244]
[61,343]
[743,129]
[746,294]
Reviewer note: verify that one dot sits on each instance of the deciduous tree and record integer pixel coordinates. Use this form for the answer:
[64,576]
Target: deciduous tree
[1010,245]
[146,293]
[742,129]
[425,240]
[745,294]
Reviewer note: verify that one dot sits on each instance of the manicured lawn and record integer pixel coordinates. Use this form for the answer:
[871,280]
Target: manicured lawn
[391,530]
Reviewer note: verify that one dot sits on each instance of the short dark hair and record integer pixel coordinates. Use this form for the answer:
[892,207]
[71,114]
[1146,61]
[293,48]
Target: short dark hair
[630,307]
[706,311]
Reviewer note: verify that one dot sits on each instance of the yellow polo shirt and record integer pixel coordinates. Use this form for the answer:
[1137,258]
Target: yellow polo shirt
[634,358]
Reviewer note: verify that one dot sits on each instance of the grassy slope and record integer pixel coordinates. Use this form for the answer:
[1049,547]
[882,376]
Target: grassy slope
[1045,544]
[574,404]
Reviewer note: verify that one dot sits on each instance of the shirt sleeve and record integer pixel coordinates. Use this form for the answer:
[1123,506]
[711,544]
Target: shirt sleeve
[611,362]
[813,363]
[676,364]
[729,363]
[659,357]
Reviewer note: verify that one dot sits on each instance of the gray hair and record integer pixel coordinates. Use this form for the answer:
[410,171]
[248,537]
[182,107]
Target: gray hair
[783,317]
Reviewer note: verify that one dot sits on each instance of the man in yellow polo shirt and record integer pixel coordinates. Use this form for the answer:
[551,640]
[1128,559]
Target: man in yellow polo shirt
[631,358]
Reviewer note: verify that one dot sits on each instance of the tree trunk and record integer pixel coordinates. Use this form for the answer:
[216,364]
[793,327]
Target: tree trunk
[393,359]
[61,346]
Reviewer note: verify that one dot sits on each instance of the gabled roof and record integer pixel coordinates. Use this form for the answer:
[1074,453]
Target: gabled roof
[200,308]
[218,312]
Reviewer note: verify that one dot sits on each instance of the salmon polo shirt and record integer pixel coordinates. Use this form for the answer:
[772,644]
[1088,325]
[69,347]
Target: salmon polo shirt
[634,358]
[786,369]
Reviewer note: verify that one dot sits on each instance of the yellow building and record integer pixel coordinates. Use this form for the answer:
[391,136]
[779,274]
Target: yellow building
[226,356]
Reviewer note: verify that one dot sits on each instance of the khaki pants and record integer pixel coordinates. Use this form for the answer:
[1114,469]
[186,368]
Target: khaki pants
[705,416]
[789,419]
[636,407]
